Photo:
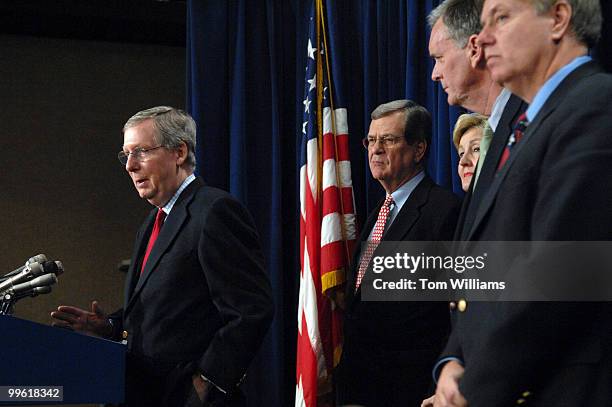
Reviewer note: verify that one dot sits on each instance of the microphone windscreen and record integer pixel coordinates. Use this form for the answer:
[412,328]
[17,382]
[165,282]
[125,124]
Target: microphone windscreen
[54,267]
[39,258]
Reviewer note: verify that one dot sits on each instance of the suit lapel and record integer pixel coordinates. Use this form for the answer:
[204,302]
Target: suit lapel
[512,110]
[410,212]
[171,228]
[139,249]
[398,231]
[490,196]
[551,104]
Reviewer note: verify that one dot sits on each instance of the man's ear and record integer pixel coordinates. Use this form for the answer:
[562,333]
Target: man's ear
[181,154]
[475,52]
[419,151]
[561,14]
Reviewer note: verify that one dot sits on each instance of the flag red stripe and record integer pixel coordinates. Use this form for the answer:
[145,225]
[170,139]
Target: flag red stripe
[331,201]
[342,142]
[307,366]
[332,256]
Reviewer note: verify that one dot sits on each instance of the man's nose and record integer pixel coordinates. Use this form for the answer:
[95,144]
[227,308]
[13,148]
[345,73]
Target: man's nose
[377,147]
[484,37]
[435,74]
[131,164]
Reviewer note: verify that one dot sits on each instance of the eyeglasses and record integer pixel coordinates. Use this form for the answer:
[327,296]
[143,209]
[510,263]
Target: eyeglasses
[384,141]
[139,154]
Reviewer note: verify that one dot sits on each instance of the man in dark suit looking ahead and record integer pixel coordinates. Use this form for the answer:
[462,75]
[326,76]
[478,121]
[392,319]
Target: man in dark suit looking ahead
[461,69]
[554,186]
[390,347]
[193,316]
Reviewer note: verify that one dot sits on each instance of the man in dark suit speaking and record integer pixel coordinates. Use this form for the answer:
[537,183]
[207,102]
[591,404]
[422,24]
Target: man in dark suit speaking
[552,184]
[197,298]
[390,347]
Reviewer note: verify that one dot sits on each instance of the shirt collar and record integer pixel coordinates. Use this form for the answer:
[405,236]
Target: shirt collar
[498,108]
[401,195]
[551,84]
[168,206]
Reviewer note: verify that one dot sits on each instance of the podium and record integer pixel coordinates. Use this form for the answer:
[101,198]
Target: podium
[88,369]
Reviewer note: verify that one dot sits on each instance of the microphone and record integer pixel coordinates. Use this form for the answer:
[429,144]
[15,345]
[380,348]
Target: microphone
[39,282]
[40,290]
[39,258]
[29,271]
[34,292]
[33,270]
[56,267]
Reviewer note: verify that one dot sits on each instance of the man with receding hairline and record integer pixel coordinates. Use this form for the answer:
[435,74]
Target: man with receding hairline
[193,316]
[459,64]
[460,67]
[389,346]
[553,185]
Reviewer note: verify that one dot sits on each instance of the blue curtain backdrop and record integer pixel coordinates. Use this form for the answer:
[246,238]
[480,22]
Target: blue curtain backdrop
[245,84]
[245,76]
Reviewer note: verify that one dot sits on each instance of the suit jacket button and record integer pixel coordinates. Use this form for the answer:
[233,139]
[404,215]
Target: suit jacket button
[520,401]
[124,335]
[526,394]
[462,305]
[452,305]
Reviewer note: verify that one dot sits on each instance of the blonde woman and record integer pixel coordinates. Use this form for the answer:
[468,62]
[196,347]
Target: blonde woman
[467,135]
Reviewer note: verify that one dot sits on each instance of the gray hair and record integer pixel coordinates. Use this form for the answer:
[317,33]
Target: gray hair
[586,18]
[461,18]
[174,127]
[417,125]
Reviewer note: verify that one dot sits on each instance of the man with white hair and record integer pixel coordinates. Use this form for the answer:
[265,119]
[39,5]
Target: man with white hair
[460,67]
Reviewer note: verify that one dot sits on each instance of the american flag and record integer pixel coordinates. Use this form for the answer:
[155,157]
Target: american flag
[327,223]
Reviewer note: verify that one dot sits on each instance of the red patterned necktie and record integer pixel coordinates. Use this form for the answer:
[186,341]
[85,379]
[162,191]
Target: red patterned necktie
[515,137]
[379,229]
[159,221]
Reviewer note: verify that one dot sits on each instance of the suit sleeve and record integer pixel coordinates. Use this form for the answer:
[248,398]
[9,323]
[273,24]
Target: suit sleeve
[449,227]
[448,224]
[116,320]
[231,258]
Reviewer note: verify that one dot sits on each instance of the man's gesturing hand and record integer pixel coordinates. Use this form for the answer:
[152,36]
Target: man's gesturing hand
[94,322]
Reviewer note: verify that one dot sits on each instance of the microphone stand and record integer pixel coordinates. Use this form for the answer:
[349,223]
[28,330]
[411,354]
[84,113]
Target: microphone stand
[7,304]
[9,299]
